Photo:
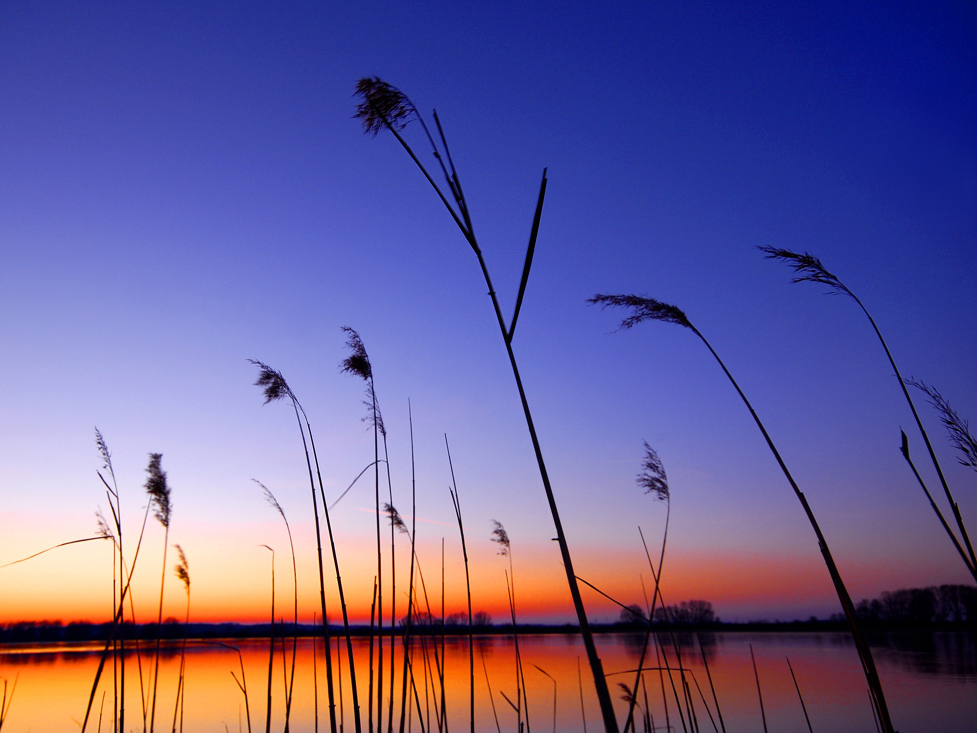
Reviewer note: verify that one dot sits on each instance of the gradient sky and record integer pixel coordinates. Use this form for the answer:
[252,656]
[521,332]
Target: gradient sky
[183,187]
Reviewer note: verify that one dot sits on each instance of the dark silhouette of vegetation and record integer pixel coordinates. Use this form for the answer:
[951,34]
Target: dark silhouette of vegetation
[384,106]
[642,309]
[809,268]
[945,604]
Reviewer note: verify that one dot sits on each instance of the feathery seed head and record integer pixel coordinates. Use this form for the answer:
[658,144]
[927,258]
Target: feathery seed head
[642,309]
[956,426]
[158,490]
[272,381]
[103,526]
[808,269]
[652,477]
[103,449]
[382,105]
[183,569]
[270,498]
[500,537]
[395,519]
[357,362]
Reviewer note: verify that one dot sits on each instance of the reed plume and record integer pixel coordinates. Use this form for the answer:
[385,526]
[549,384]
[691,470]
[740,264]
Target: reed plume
[357,363]
[182,572]
[809,268]
[384,106]
[276,388]
[159,498]
[957,428]
[270,498]
[642,309]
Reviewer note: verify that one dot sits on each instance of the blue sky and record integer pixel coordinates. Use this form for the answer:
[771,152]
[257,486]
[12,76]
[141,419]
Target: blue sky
[183,187]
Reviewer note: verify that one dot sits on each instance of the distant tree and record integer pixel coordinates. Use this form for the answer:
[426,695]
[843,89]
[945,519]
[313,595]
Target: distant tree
[695,612]
[481,619]
[632,615]
[455,619]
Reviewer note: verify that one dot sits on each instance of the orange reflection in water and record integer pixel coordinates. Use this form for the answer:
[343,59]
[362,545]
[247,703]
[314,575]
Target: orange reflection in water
[54,683]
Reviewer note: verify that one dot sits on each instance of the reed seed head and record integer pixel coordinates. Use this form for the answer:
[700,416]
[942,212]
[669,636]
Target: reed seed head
[357,363]
[272,381]
[642,309]
[956,426]
[808,269]
[395,519]
[103,449]
[183,569]
[652,477]
[103,526]
[500,537]
[382,105]
[270,498]
[158,490]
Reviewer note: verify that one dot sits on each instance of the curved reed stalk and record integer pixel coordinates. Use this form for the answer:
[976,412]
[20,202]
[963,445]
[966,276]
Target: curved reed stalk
[647,309]
[182,572]
[159,496]
[468,587]
[809,268]
[385,107]
[270,498]
[276,388]
[358,363]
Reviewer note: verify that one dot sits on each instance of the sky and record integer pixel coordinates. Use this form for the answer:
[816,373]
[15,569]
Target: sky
[183,187]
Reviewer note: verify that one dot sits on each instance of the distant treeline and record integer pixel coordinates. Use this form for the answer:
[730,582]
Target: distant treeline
[945,604]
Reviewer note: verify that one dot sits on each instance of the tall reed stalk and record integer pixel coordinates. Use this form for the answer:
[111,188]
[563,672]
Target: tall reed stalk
[456,503]
[276,388]
[182,572]
[358,364]
[270,498]
[809,268]
[159,494]
[646,309]
[385,107]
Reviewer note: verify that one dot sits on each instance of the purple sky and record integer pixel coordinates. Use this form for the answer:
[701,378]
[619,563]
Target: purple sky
[183,187]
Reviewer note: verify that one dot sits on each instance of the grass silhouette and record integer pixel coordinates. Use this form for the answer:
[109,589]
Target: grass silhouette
[641,309]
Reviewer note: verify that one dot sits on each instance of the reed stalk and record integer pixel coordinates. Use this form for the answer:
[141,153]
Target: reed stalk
[759,694]
[271,642]
[799,696]
[468,587]
[410,585]
[270,498]
[358,364]
[644,309]
[809,268]
[159,494]
[386,107]
[182,572]
[276,388]
[7,701]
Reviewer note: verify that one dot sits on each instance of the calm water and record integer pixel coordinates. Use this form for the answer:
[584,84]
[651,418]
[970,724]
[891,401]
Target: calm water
[930,682]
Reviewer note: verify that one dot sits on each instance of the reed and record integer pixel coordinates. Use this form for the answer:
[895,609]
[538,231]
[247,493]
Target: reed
[276,388]
[647,309]
[383,106]
[7,700]
[808,268]
[182,572]
[290,683]
[456,503]
[159,496]
[501,538]
[406,640]
[271,643]
[799,695]
[358,364]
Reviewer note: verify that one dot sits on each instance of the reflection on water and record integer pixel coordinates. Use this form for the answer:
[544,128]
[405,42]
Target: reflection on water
[930,681]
